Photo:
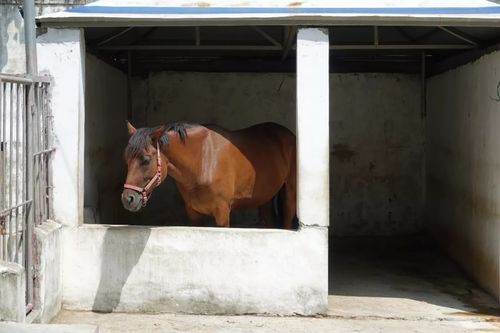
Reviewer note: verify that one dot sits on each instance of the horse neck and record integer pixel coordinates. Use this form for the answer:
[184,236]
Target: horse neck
[184,157]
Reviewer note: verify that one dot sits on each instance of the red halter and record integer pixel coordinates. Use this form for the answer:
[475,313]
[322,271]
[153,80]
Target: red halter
[156,179]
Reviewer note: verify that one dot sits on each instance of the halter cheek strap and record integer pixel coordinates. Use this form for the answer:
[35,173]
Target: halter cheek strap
[155,181]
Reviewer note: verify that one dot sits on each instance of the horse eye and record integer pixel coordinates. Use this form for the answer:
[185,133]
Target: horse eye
[145,161]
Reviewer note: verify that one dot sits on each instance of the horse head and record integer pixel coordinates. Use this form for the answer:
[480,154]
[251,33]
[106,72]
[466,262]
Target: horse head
[147,167]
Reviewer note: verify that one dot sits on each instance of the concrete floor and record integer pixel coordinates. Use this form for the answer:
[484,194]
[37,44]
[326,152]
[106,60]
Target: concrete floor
[376,285]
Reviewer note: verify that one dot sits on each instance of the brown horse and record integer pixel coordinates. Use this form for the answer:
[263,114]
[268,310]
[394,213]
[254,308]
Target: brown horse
[215,170]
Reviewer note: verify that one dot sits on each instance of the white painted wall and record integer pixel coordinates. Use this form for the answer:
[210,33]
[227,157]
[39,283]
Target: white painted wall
[313,128]
[376,141]
[61,54]
[195,270]
[463,167]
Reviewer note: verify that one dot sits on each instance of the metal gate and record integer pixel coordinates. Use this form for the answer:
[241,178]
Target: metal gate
[25,177]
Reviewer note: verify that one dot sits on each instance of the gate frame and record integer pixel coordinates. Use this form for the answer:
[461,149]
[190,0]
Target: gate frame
[34,112]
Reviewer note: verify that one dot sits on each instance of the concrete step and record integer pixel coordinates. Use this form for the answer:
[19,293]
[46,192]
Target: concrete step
[7,327]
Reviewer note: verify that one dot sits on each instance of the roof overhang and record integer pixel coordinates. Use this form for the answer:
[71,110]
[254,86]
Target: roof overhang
[121,13]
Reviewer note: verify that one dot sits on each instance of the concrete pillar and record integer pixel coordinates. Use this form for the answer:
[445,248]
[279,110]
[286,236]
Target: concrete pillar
[61,54]
[12,292]
[313,126]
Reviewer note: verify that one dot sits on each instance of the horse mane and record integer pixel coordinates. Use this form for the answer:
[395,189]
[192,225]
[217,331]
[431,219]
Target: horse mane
[141,139]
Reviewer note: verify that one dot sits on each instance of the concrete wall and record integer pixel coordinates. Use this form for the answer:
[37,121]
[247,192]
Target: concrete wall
[12,292]
[376,136]
[48,286]
[105,133]
[12,53]
[178,269]
[463,167]
[62,55]
[377,154]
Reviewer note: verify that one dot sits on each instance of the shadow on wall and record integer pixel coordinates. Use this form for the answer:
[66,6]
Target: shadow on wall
[117,267]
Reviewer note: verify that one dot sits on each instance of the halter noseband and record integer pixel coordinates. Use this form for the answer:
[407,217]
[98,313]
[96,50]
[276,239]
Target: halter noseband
[156,179]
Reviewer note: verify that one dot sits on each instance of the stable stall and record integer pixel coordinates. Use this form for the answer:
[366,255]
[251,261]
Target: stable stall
[394,110]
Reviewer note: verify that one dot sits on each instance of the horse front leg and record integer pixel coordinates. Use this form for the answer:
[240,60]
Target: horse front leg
[222,214]
[195,217]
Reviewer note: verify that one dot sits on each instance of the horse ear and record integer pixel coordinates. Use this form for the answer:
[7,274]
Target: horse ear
[131,129]
[157,133]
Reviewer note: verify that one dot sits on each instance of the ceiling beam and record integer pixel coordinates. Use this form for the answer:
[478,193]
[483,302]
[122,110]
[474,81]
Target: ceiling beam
[460,35]
[404,34]
[114,36]
[192,47]
[278,48]
[197,36]
[288,41]
[403,47]
[267,36]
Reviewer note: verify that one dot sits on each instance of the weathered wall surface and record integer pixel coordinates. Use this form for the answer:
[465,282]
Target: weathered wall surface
[62,56]
[12,292]
[12,54]
[48,286]
[377,154]
[264,271]
[105,133]
[376,142]
[463,161]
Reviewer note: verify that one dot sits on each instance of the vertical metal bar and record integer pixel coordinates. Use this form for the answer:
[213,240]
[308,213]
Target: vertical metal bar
[29,36]
[25,186]
[35,150]
[31,68]
[11,168]
[39,158]
[46,156]
[50,145]
[36,159]
[2,168]
[375,36]
[43,185]
[29,184]
[423,83]
[18,168]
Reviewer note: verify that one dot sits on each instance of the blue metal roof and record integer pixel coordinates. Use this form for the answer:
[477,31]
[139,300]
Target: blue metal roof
[151,10]
[416,12]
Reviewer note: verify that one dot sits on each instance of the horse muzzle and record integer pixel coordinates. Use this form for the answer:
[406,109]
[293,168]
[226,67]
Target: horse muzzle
[132,201]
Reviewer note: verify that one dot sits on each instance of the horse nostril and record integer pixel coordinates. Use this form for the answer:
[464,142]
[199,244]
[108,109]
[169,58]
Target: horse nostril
[130,199]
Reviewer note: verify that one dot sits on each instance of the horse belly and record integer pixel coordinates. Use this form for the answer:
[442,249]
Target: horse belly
[266,181]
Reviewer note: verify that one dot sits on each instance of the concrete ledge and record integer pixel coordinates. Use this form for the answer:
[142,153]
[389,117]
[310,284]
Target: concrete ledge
[12,292]
[40,328]
[195,270]
[49,291]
